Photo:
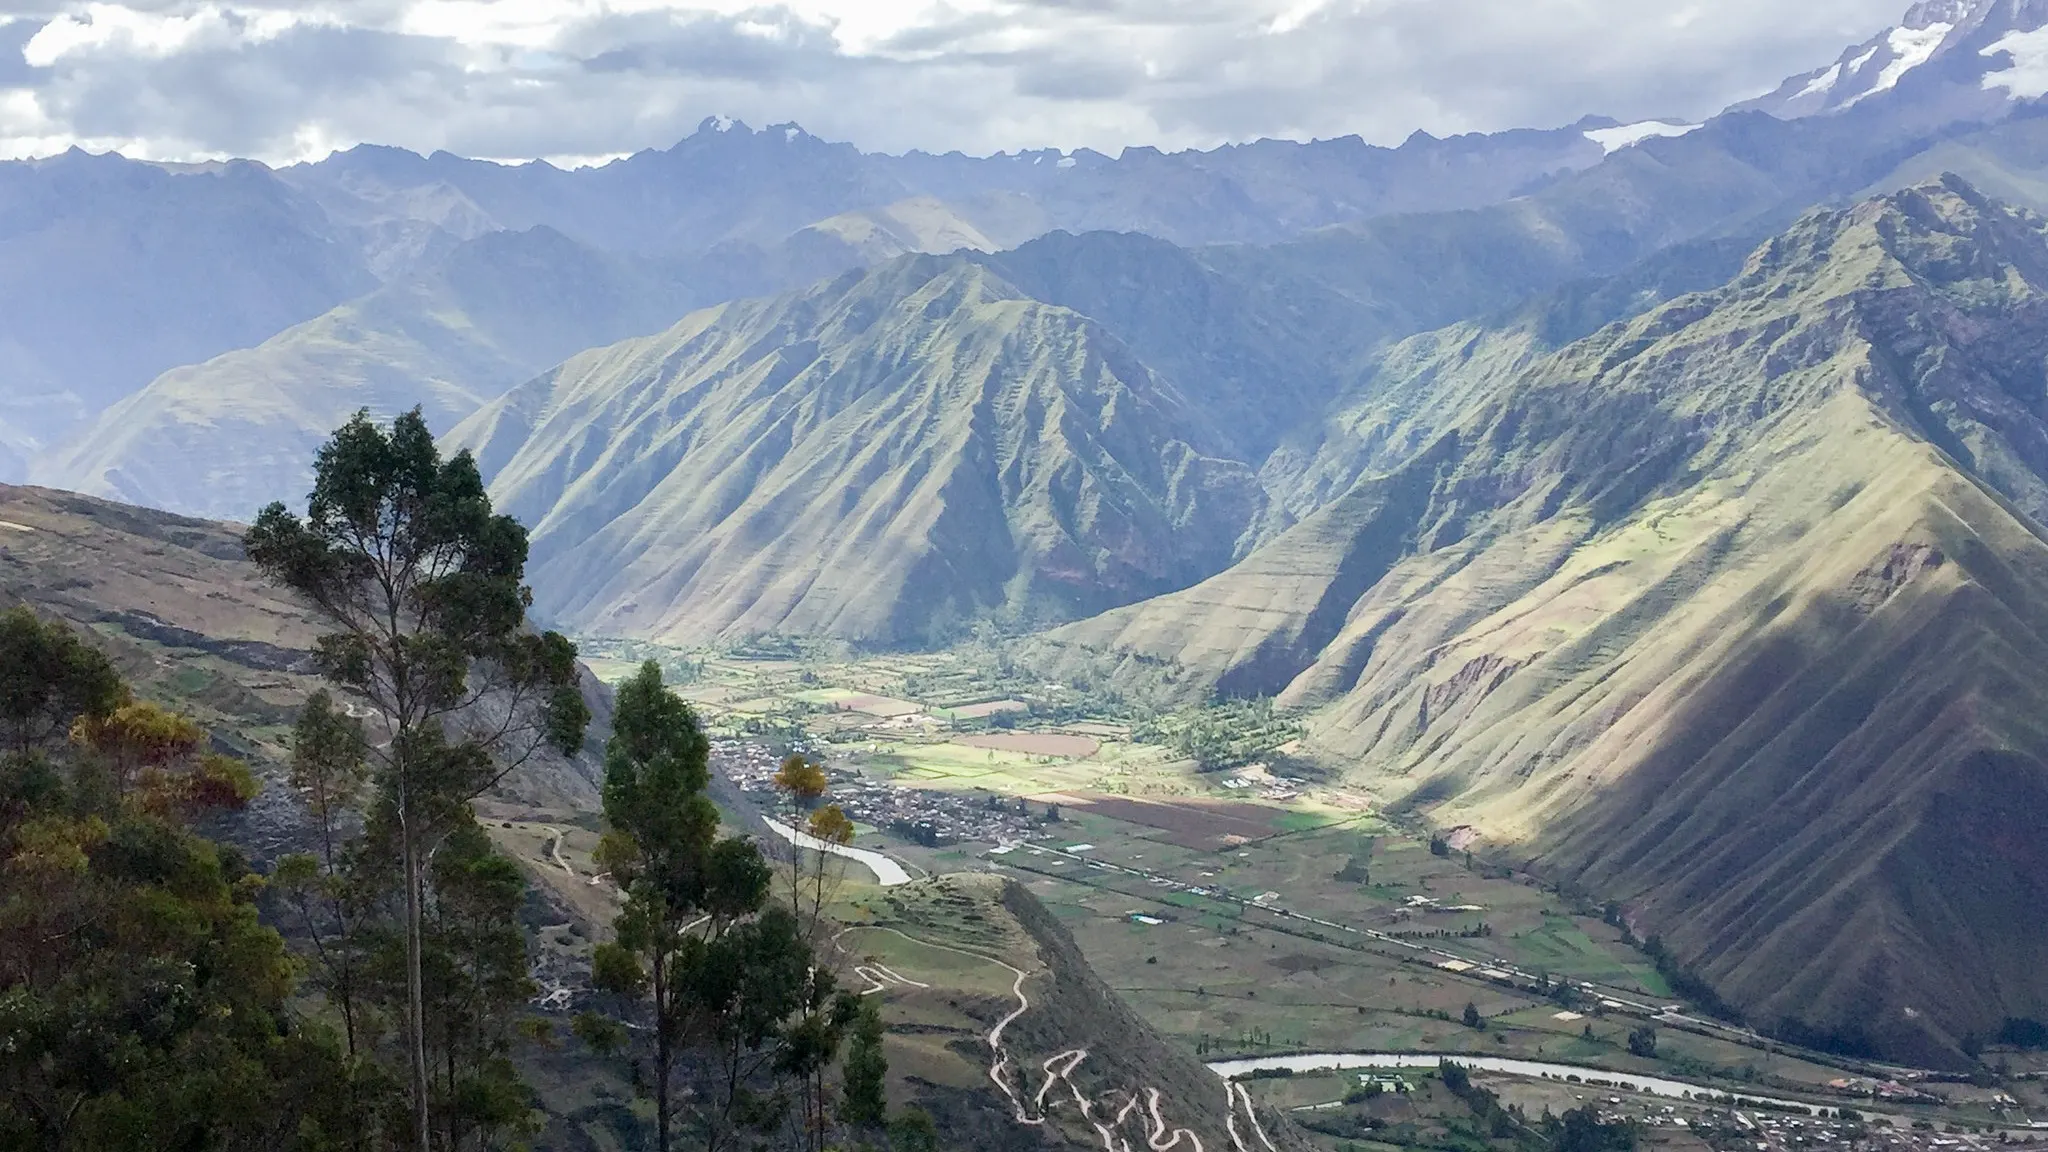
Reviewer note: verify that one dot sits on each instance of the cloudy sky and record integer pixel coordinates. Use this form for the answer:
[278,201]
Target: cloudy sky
[283,80]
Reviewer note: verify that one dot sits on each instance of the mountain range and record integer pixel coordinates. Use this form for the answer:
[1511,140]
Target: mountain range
[1660,502]
[119,271]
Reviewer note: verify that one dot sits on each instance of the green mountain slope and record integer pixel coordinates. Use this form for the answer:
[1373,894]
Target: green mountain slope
[1731,611]
[112,272]
[225,437]
[884,458]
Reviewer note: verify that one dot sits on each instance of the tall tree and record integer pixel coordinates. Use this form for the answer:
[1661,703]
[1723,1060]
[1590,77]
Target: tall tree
[664,852]
[401,554]
[723,972]
[330,768]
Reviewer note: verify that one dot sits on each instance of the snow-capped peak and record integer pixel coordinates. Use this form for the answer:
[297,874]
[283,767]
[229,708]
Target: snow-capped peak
[1947,38]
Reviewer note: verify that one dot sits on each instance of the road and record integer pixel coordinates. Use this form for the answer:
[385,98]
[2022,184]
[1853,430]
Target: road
[1059,1068]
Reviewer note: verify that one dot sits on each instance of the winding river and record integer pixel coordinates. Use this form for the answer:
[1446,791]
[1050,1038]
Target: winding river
[888,871]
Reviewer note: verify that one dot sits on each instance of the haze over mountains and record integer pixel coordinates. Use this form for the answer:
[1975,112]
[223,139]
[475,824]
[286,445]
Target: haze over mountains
[1664,502]
[123,270]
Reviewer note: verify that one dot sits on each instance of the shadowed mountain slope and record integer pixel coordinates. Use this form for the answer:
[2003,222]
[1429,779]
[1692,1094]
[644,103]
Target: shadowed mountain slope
[1732,610]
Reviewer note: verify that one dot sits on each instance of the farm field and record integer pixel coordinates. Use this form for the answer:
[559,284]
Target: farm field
[1185,888]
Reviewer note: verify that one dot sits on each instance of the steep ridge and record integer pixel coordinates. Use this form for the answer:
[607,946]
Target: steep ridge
[883,458]
[1427,234]
[117,271]
[1259,338]
[227,436]
[1011,1041]
[1730,611]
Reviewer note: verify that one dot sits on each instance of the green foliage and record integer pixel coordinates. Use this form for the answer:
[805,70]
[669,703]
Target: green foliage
[1221,736]
[864,1103]
[695,944]
[1472,1017]
[912,1130]
[1582,1130]
[1642,1041]
[604,1035]
[48,676]
[402,556]
[143,1005]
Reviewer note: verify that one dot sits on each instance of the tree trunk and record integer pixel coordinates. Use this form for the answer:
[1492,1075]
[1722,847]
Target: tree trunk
[662,1055]
[415,991]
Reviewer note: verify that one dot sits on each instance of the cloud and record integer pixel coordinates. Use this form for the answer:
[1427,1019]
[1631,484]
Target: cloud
[287,79]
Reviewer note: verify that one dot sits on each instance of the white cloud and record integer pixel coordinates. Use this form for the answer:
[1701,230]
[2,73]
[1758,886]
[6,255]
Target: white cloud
[117,30]
[593,78]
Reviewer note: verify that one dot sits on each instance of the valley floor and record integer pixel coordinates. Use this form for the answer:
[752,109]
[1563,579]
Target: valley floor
[1253,911]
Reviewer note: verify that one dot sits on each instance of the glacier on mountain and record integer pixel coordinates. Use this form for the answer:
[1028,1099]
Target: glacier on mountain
[1911,47]
[1823,83]
[2027,78]
[1614,139]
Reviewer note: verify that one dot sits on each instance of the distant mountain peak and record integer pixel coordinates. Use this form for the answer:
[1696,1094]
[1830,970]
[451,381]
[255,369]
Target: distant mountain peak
[1928,13]
[1955,51]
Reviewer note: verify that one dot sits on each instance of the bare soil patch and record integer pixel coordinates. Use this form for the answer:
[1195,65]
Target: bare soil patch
[1200,824]
[1036,744]
[880,706]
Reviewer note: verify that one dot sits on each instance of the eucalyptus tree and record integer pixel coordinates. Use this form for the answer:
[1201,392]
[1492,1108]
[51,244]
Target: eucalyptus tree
[421,585]
[684,884]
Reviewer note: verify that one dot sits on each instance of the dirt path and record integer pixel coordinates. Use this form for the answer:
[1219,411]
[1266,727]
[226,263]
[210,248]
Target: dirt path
[1059,1069]
[1238,1094]
[555,851]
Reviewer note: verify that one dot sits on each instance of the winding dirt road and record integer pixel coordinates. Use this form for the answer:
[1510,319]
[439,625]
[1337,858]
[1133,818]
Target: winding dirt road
[1060,1068]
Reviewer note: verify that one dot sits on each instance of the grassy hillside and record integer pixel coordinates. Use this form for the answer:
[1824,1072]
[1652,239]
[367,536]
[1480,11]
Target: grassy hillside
[227,436]
[886,458]
[1730,611]
[191,623]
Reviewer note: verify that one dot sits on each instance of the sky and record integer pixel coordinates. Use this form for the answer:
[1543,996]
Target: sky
[579,80]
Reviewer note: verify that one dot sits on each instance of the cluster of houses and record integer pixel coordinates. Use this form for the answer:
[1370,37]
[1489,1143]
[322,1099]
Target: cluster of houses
[922,816]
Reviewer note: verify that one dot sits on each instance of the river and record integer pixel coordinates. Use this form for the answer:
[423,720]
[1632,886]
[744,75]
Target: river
[888,871]
[1341,1061]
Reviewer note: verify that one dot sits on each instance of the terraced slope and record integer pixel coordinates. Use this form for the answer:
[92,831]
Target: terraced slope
[885,458]
[1732,611]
